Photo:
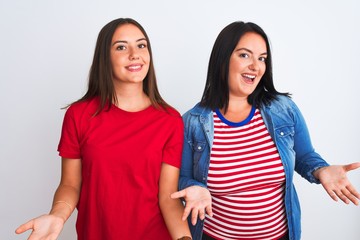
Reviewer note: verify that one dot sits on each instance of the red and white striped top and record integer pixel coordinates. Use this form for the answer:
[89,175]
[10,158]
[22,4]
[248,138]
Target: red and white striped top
[247,181]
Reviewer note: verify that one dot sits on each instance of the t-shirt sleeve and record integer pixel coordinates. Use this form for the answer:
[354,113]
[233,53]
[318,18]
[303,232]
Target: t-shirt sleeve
[69,145]
[173,148]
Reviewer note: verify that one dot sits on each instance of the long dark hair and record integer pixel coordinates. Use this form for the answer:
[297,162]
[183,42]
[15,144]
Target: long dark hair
[101,78]
[216,92]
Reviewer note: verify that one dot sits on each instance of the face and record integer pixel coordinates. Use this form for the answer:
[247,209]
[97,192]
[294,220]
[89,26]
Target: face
[247,65]
[130,57]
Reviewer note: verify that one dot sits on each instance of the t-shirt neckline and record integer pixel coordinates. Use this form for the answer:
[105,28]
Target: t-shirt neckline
[236,124]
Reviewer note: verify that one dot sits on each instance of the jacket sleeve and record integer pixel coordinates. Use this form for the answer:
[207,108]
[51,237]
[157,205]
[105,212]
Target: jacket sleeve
[187,175]
[307,160]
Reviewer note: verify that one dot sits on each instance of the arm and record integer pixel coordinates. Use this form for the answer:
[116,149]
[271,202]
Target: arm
[195,193]
[65,200]
[307,160]
[171,209]
[191,127]
[312,167]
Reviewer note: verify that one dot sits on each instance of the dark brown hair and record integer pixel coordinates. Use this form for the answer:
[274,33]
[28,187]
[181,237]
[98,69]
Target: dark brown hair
[100,76]
[216,92]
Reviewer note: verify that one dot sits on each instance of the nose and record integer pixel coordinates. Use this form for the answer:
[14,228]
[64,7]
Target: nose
[133,54]
[254,65]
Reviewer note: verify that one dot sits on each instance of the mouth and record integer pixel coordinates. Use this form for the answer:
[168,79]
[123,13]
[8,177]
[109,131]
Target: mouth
[134,67]
[249,78]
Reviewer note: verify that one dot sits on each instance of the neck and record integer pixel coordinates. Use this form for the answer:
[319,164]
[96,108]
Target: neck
[131,97]
[238,110]
[238,104]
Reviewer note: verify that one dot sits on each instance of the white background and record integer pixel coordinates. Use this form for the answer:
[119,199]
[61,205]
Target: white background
[46,47]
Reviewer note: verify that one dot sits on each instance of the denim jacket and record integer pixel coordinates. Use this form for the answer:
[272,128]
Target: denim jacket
[288,130]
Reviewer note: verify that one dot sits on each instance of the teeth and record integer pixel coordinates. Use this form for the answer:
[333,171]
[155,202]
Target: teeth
[249,76]
[134,67]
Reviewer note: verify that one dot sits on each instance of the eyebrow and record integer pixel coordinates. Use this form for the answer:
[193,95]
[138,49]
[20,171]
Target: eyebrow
[248,50]
[123,41]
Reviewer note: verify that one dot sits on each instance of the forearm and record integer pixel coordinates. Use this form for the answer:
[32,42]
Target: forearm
[172,211]
[65,200]
[308,165]
[307,160]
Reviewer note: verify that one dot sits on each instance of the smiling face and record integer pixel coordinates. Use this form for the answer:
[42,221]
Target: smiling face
[130,57]
[247,65]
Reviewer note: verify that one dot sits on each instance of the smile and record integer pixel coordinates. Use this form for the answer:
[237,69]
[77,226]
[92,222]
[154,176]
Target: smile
[249,77]
[134,68]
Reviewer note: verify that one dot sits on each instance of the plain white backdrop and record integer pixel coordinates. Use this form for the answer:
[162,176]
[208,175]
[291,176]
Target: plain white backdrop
[46,47]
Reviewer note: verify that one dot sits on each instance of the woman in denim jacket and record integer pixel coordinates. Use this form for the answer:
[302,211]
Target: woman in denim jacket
[239,93]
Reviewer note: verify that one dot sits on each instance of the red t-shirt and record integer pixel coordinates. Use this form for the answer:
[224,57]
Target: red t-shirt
[121,154]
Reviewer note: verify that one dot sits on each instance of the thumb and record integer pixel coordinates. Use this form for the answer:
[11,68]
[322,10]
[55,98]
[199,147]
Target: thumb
[351,166]
[178,194]
[24,227]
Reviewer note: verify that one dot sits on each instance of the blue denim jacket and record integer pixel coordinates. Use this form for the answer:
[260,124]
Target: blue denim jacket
[288,130]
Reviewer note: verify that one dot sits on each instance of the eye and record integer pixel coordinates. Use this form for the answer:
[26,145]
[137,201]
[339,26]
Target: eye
[262,59]
[142,45]
[244,55]
[120,47]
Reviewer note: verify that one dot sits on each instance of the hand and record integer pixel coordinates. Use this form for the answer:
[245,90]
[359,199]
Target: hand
[45,227]
[198,200]
[336,183]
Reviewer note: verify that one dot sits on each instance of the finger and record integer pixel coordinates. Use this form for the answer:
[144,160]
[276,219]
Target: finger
[202,214]
[351,166]
[186,213]
[352,195]
[24,227]
[209,211]
[178,194]
[331,193]
[194,216]
[342,196]
[353,191]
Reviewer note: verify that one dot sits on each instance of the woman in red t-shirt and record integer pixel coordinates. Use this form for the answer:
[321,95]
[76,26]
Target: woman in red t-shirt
[121,147]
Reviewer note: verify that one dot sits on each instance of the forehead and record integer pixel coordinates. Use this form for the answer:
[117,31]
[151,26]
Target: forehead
[127,32]
[252,41]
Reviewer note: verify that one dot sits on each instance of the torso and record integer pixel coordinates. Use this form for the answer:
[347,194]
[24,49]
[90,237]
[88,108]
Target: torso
[246,180]
[121,154]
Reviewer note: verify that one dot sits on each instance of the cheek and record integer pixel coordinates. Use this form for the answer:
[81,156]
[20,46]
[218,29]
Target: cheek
[234,71]
[147,58]
[116,63]
[263,69]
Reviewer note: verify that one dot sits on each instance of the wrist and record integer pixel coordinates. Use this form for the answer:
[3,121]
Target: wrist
[61,209]
[60,217]
[316,172]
